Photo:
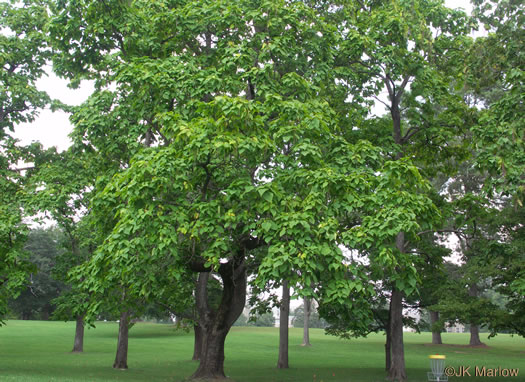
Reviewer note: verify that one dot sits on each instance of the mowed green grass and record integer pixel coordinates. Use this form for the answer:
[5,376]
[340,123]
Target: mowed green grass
[35,351]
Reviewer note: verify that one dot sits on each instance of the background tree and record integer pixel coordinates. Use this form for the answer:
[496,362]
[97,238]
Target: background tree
[35,300]
[315,321]
[266,320]
[24,54]
[242,321]
[60,187]
[509,270]
[417,65]
[307,311]
[498,140]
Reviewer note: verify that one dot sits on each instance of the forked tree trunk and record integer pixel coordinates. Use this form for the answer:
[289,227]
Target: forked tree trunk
[282,361]
[78,345]
[121,358]
[306,323]
[436,333]
[197,345]
[215,324]
[397,370]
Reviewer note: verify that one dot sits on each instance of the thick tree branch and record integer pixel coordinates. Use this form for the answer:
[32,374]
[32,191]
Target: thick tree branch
[402,88]
[410,133]
[201,294]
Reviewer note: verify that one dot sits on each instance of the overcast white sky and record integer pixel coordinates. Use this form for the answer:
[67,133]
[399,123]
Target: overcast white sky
[52,129]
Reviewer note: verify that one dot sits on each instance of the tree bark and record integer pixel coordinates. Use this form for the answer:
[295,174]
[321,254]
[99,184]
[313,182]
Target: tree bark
[282,361]
[121,358]
[397,371]
[436,333]
[215,324]
[388,344]
[388,356]
[197,345]
[474,328]
[78,345]
[474,336]
[212,357]
[307,303]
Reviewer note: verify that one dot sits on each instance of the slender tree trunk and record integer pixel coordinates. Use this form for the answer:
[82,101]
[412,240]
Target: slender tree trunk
[78,346]
[282,362]
[197,345]
[215,324]
[388,355]
[388,343]
[397,370]
[436,333]
[307,303]
[121,358]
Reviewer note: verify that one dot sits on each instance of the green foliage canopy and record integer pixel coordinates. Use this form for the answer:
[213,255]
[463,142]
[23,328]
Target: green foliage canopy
[248,148]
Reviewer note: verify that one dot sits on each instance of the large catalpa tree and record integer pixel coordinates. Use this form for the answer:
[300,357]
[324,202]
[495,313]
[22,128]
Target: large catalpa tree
[236,162]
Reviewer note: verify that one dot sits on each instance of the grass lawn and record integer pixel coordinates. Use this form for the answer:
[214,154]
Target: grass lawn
[36,351]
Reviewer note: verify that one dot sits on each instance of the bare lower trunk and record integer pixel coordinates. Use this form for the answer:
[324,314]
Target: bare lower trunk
[474,328]
[197,345]
[78,346]
[282,362]
[306,325]
[215,324]
[397,370]
[436,333]
[474,336]
[121,358]
[212,357]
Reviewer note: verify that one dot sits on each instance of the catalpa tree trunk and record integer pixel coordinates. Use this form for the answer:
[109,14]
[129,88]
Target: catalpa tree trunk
[121,357]
[436,333]
[397,364]
[474,328]
[197,344]
[78,346]
[282,361]
[306,323]
[397,371]
[216,323]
